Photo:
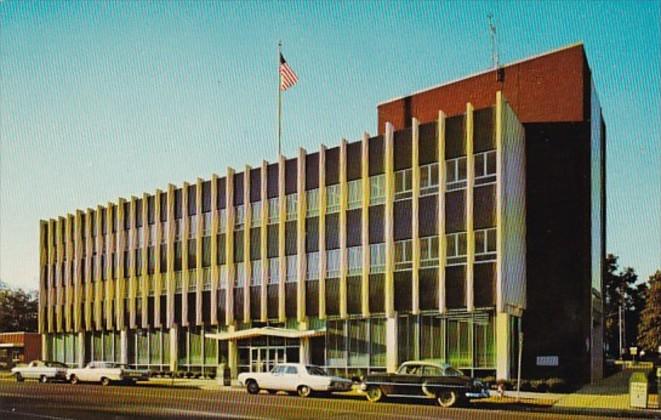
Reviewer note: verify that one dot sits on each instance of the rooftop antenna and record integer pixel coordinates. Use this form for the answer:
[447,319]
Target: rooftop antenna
[494,42]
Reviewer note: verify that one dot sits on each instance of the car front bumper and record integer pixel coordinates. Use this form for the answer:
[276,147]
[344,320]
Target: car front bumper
[340,386]
[484,393]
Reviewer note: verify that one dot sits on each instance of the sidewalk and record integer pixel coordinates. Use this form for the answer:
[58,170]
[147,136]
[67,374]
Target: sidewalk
[609,396]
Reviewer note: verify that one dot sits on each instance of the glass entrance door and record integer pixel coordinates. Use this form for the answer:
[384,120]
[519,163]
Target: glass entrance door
[263,359]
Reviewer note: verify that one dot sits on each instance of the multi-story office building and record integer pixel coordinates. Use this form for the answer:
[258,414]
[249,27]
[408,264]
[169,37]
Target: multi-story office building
[476,211]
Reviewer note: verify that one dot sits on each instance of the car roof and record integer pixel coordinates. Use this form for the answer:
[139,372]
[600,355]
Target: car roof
[417,363]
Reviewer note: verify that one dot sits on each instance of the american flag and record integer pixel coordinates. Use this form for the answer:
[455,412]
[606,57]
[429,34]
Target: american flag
[287,76]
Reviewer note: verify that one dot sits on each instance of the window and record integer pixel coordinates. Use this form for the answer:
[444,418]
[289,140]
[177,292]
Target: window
[192,281]
[312,266]
[456,248]
[456,173]
[222,277]
[193,226]
[485,167]
[377,258]
[429,179]
[256,213]
[333,263]
[207,224]
[312,202]
[485,242]
[355,194]
[377,189]
[403,254]
[429,251]
[274,210]
[256,275]
[291,268]
[274,270]
[177,282]
[292,204]
[355,256]
[291,370]
[240,275]
[403,184]
[206,279]
[222,220]
[140,237]
[333,198]
[239,216]
[164,232]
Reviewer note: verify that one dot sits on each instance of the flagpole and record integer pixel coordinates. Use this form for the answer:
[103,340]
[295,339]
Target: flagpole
[279,101]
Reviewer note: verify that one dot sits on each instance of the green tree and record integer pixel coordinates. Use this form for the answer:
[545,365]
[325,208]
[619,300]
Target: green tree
[649,329]
[621,290]
[18,309]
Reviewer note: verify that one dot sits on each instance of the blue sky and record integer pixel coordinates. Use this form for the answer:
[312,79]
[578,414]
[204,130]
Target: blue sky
[100,100]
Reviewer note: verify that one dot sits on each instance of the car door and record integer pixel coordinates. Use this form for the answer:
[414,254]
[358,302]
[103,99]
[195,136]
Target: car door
[31,371]
[408,381]
[271,380]
[290,378]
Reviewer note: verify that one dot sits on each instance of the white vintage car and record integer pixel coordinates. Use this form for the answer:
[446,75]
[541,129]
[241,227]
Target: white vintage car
[106,373]
[43,370]
[294,377]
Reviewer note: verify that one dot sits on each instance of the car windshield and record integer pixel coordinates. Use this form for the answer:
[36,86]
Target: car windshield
[315,370]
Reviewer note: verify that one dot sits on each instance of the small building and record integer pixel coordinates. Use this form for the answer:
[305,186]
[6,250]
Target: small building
[19,347]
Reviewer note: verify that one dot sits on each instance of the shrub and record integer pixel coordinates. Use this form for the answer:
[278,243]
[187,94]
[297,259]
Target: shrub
[556,385]
[489,381]
[525,385]
[507,384]
[539,385]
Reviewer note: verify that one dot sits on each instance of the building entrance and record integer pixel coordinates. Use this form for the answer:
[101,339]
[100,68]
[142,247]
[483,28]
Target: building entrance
[263,359]
[261,354]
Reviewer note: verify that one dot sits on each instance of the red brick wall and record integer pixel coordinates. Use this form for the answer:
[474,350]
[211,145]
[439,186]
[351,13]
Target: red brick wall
[32,349]
[543,89]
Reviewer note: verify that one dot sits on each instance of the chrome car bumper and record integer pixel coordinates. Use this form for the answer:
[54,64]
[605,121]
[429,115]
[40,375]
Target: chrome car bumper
[479,394]
[340,386]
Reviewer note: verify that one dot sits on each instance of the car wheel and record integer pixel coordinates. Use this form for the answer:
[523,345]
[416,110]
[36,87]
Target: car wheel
[252,387]
[105,381]
[374,394]
[73,380]
[447,399]
[19,377]
[43,379]
[303,391]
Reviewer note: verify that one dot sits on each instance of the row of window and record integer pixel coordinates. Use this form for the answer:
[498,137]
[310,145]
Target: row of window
[485,170]
[456,252]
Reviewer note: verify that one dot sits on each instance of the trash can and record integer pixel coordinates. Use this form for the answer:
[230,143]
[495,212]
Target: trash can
[638,389]
[227,376]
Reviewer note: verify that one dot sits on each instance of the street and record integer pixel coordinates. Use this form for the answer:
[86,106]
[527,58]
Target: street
[30,400]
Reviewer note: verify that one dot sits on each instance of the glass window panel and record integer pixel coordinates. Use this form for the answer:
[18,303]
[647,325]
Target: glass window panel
[491,240]
[461,244]
[479,165]
[461,168]
[312,203]
[479,241]
[274,270]
[491,162]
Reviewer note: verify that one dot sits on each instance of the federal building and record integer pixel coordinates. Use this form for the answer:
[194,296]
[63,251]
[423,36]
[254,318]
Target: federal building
[474,218]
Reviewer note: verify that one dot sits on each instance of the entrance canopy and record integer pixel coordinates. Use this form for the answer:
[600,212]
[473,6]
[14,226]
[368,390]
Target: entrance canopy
[268,331]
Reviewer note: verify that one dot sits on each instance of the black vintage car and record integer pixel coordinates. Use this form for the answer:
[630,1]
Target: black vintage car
[447,385]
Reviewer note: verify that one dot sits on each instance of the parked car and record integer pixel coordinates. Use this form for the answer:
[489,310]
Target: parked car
[43,370]
[106,373]
[447,385]
[294,377]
